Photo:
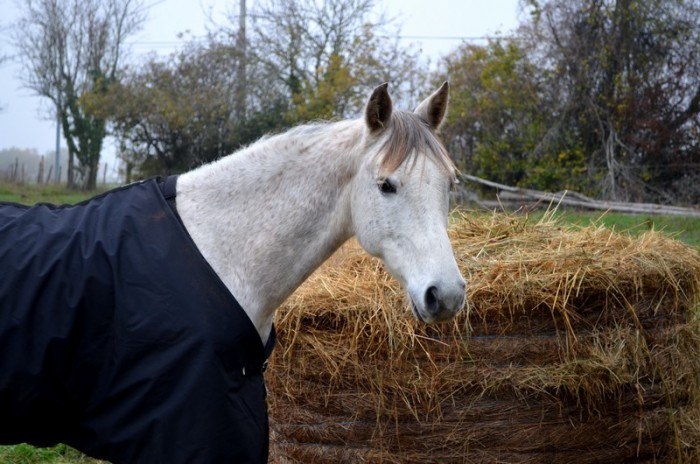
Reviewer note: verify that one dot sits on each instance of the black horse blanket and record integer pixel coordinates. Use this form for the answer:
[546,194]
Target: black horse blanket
[117,337]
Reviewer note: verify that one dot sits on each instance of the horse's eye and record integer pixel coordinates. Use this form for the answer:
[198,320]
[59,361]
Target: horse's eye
[385,186]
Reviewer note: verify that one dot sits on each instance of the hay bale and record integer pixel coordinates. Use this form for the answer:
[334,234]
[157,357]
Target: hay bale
[579,345]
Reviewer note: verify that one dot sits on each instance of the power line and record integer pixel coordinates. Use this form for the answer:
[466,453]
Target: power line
[467,38]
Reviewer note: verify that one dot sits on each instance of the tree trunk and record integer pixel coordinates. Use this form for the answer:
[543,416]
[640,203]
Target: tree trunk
[70,174]
[611,163]
[242,46]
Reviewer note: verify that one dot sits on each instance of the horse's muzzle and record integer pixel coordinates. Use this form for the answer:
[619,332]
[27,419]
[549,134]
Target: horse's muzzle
[440,302]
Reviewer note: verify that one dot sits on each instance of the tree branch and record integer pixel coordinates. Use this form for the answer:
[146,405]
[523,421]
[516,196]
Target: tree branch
[581,201]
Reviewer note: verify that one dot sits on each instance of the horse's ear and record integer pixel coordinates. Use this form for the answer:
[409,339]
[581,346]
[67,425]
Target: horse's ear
[378,110]
[433,108]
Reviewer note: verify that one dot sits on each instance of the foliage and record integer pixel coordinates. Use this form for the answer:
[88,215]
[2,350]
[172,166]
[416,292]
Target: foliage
[601,97]
[170,115]
[499,118]
[624,84]
[340,88]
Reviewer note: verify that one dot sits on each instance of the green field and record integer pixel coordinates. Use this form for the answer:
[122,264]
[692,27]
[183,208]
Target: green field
[60,454]
[30,194]
[684,229]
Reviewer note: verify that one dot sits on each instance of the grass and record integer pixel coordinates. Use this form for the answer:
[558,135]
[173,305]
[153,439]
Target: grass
[59,454]
[30,194]
[685,229]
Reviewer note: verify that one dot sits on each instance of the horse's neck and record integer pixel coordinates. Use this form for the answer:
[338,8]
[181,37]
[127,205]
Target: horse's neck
[265,218]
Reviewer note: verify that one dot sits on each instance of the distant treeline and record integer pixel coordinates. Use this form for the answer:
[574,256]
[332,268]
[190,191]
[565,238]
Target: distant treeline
[27,166]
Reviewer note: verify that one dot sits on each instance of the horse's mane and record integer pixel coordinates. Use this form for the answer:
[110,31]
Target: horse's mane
[411,134]
[408,133]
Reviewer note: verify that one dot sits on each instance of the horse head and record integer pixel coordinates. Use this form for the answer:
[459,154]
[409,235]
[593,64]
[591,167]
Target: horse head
[400,202]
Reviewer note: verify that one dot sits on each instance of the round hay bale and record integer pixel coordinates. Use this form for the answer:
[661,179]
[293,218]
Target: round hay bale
[578,345]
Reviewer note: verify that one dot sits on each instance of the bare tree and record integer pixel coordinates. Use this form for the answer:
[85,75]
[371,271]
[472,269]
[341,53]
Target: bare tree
[71,50]
[321,56]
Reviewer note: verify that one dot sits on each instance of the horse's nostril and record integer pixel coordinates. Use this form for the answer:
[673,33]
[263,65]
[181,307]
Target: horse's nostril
[431,300]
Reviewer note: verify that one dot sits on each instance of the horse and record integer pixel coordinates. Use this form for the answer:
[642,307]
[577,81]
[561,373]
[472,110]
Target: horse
[136,326]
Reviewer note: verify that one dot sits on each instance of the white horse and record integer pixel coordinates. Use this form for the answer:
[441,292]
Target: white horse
[130,340]
[266,217]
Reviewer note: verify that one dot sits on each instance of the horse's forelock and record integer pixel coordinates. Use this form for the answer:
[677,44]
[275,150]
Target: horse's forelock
[407,133]
[411,134]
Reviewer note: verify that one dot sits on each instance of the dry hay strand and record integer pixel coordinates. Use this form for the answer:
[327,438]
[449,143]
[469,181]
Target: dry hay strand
[578,345]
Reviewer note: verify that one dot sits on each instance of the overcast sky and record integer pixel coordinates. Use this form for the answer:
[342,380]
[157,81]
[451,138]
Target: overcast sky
[436,25]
